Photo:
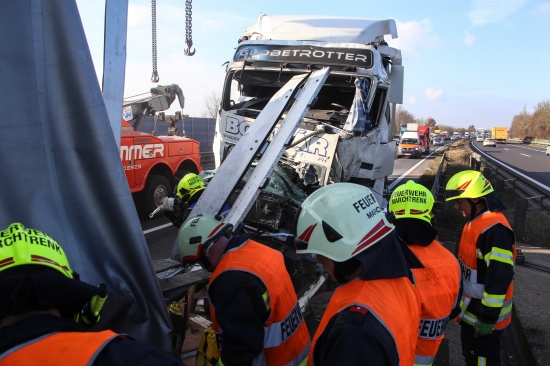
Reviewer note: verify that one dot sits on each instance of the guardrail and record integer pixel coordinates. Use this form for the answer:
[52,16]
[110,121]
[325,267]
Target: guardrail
[436,183]
[530,194]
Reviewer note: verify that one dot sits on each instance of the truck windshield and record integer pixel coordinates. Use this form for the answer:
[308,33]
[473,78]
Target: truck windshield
[409,141]
[250,90]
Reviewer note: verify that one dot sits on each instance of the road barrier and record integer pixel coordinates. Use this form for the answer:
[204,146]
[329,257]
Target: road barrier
[530,194]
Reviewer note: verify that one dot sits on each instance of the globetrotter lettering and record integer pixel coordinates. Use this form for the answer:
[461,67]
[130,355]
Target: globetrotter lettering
[291,323]
[358,57]
[147,151]
[409,196]
[432,328]
[302,54]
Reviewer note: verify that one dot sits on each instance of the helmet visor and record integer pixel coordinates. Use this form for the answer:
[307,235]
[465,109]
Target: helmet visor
[453,193]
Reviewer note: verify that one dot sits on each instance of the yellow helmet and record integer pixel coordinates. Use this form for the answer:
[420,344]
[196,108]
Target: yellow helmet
[412,200]
[197,233]
[190,184]
[339,221]
[467,184]
[21,246]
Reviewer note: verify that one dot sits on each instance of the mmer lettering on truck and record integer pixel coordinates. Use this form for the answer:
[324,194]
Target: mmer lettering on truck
[136,152]
[235,128]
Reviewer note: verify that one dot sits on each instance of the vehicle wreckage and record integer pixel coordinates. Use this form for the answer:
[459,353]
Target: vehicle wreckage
[297,115]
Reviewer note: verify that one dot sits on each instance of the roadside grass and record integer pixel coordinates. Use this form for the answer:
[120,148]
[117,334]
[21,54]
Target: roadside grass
[449,222]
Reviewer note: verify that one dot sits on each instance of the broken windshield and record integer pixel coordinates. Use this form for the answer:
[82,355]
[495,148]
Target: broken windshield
[252,90]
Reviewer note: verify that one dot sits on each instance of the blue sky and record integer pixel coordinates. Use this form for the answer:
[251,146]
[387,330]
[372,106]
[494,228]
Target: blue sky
[469,62]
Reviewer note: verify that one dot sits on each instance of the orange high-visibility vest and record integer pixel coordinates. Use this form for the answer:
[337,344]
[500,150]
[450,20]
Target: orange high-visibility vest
[438,285]
[394,302]
[468,256]
[286,338]
[63,348]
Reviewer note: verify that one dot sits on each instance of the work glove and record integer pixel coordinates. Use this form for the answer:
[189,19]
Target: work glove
[482,329]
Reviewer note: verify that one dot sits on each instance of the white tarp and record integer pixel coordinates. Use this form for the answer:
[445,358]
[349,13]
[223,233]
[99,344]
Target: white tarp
[358,118]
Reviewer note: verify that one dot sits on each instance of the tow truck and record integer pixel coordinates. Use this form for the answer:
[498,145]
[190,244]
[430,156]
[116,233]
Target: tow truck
[152,163]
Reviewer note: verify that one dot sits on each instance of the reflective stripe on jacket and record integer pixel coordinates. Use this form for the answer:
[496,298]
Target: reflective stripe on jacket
[394,302]
[438,285]
[286,338]
[470,255]
[63,348]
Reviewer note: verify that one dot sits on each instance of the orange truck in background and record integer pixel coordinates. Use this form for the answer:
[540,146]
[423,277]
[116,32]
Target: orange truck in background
[500,134]
[152,163]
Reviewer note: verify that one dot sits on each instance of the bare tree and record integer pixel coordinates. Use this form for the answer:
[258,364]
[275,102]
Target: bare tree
[521,124]
[541,120]
[403,117]
[211,105]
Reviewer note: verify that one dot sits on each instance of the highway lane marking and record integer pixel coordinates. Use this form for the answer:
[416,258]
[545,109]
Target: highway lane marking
[525,155]
[156,228]
[395,182]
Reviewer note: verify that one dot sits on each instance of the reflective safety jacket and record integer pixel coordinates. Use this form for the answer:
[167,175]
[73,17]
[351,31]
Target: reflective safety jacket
[63,348]
[438,285]
[394,302]
[487,254]
[286,338]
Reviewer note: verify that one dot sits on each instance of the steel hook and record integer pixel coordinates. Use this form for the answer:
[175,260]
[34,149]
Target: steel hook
[155,77]
[188,52]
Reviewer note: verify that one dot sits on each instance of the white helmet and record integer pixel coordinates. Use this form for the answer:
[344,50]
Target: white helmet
[340,221]
[196,234]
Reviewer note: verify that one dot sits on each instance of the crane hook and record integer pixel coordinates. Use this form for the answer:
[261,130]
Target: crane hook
[188,52]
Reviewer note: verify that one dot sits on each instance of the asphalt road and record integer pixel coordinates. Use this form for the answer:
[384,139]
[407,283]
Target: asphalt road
[529,160]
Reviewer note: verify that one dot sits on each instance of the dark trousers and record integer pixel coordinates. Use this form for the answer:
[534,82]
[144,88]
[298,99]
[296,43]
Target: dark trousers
[474,348]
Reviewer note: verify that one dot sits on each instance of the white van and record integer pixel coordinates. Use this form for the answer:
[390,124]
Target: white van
[409,145]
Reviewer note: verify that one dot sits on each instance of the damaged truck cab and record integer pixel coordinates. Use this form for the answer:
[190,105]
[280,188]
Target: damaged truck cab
[346,134]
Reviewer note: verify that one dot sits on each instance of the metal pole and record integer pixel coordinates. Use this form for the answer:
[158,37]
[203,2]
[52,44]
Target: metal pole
[114,62]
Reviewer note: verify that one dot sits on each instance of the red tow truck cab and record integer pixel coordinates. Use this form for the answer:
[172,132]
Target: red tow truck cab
[424,138]
[152,163]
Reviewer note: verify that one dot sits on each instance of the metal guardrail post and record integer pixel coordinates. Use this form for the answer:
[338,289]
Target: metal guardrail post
[520,216]
[436,183]
[499,185]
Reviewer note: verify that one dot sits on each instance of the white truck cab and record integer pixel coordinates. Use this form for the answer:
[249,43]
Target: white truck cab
[346,135]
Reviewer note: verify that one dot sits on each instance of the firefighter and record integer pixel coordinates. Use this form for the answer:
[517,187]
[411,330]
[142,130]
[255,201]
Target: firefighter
[44,317]
[486,253]
[439,283]
[373,317]
[254,307]
[187,193]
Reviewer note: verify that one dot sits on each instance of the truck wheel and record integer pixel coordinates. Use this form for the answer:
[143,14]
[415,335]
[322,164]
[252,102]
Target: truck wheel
[156,188]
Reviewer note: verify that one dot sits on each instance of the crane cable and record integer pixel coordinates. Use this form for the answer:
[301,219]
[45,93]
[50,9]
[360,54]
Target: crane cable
[155,76]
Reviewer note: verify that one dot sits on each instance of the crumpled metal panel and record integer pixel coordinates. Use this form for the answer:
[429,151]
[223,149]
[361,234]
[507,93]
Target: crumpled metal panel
[61,170]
